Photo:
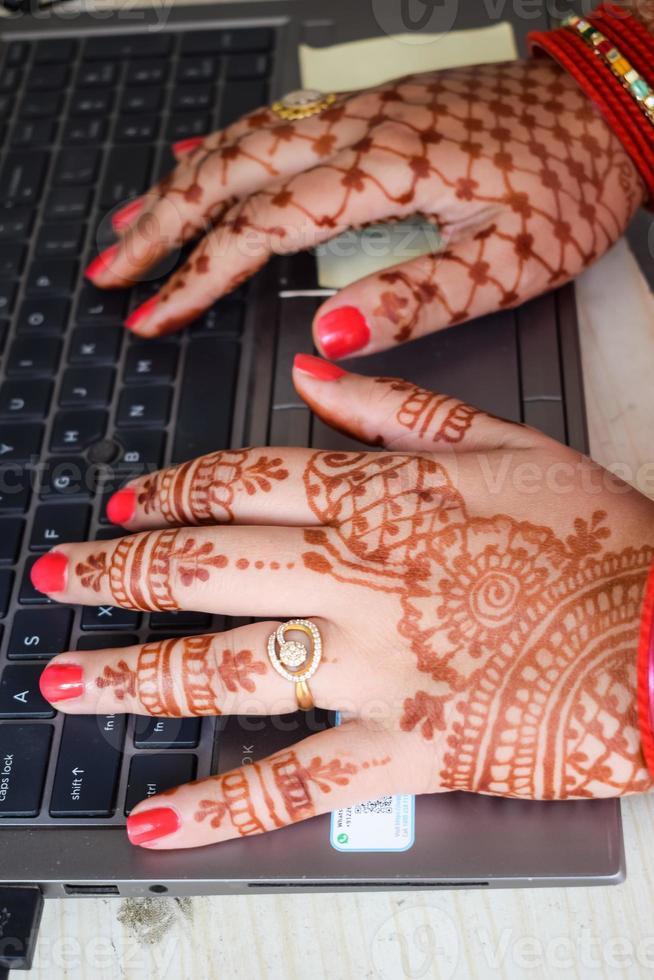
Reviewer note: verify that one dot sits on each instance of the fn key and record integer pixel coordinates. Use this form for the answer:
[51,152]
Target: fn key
[24,753]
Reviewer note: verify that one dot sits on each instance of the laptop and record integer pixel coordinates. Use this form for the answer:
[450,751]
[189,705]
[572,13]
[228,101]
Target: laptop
[88,109]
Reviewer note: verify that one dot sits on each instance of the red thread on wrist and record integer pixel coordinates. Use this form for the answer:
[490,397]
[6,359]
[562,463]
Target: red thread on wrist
[643,666]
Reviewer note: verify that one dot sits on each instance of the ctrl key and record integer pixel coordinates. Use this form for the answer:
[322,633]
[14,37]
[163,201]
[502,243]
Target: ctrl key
[24,751]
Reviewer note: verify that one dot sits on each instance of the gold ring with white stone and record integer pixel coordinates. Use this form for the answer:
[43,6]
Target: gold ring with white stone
[302,103]
[293,660]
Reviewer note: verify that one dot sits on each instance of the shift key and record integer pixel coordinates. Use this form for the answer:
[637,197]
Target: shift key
[89,764]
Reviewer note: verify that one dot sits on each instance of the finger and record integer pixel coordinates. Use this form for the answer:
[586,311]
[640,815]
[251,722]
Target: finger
[236,571]
[400,415]
[242,486]
[286,216]
[224,673]
[465,280]
[225,167]
[331,769]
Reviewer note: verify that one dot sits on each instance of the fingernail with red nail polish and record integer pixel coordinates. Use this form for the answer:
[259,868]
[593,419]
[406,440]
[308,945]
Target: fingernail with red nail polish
[49,573]
[185,146]
[317,368]
[101,262]
[152,824]
[126,215]
[141,312]
[122,506]
[60,682]
[342,331]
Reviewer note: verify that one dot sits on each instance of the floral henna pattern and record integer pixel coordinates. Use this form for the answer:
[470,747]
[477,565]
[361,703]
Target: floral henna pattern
[292,784]
[526,636]
[205,490]
[444,419]
[203,685]
[140,570]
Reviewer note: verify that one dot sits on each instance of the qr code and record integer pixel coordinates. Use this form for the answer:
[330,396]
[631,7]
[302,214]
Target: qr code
[384,804]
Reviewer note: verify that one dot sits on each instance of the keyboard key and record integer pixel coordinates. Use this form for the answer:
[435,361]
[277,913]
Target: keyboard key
[51,277]
[83,130]
[245,39]
[68,204]
[146,72]
[144,406]
[146,100]
[197,69]
[246,66]
[239,99]
[225,318]
[191,98]
[136,129]
[204,414]
[109,618]
[37,104]
[15,494]
[16,53]
[11,261]
[6,105]
[21,177]
[27,594]
[127,45]
[95,345]
[75,167]
[19,443]
[4,327]
[86,387]
[141,451]
[165,733]
[7,297]
[20,696]
[6,584]
[188,124]
[9,79]
[106,641]
[33,132]
[89,762]
[74,432]
[150,362]
[47,78]
[58,51]
[152,774]
[15,223]
[31,355]
[59,241]
[263,735]
[91,102]
[40,633]
[67,479]
[105,306]
[97,74]
[11,535]
[59,523]
[24,753]
[127,174]
[184,619]
[43,315]
[20,400]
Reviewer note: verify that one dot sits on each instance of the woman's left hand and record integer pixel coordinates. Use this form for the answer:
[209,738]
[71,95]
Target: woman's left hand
[477,586]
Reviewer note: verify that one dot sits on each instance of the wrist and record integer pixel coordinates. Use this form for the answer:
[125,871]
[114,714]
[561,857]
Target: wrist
[643,10]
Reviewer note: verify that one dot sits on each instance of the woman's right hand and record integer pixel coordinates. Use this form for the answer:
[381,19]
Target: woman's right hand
[520,176]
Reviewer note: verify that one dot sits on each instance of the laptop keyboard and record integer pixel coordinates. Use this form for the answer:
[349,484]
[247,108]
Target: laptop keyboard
[85,125]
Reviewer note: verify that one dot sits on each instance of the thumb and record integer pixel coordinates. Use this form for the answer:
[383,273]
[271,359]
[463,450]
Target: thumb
[397,414]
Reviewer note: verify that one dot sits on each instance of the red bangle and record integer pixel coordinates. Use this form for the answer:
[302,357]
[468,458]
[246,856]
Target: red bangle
[645,671]
[618,107]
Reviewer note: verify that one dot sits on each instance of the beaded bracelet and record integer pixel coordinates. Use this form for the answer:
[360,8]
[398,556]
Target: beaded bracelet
[623,70]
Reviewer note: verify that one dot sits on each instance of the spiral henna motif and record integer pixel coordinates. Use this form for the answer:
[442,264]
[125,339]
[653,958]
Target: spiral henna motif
[526,639]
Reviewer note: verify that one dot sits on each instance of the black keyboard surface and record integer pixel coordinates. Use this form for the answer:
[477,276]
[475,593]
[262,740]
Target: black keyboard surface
[86,124]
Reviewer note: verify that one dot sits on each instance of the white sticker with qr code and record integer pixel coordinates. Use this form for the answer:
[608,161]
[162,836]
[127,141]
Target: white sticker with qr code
[384,824]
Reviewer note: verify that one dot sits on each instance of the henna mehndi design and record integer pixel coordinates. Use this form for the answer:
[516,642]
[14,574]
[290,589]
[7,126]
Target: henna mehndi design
[528,637]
